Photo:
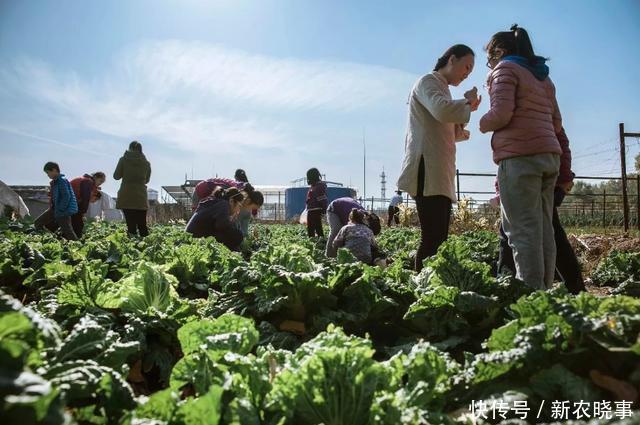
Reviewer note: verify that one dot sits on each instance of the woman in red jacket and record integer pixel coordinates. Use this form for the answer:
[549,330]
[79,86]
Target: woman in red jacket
[86,189]
[524,118]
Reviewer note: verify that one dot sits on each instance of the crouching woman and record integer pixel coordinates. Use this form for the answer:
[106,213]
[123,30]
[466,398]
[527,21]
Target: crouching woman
[357,237]
[214,217]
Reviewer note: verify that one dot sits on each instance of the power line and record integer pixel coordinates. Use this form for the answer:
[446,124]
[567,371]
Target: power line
[615,150]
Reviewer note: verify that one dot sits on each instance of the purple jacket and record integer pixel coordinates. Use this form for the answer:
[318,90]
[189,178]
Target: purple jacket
[342,207]
[317,197]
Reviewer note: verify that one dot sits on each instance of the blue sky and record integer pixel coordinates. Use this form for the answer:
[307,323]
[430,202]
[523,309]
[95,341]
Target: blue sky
[276,87]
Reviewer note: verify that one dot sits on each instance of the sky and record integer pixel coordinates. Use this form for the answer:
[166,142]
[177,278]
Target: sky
[276,87]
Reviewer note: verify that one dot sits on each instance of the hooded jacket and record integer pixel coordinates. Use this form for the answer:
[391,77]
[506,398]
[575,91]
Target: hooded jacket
[524,115]
[135,172]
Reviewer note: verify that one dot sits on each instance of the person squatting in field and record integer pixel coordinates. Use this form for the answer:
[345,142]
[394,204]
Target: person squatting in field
[253,201]
[525,120]
[86,189]
[338,214]
[214,217]
[62,204]
[357,237]
[436,123]
[316,202]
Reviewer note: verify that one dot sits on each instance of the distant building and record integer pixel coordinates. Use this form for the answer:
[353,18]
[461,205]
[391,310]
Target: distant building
[152,195]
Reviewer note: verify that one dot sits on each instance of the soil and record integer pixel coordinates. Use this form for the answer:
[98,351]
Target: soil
[591,249]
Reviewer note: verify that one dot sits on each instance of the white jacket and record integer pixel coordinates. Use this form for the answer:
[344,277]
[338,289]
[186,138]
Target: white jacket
[435,124]
[11,199]
[104,208]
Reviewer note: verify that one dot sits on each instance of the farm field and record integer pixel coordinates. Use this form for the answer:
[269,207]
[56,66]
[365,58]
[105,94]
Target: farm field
[176,330]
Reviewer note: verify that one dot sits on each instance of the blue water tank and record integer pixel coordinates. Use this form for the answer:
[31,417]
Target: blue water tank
[295,198]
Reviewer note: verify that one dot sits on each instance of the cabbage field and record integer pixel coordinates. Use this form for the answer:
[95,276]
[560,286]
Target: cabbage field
[176,330]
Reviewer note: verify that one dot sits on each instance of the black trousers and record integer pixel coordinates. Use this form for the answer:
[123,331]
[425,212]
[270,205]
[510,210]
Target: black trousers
[136,222]
[434,213]
[567,265]
[393,215]
[77,221]
[314,223]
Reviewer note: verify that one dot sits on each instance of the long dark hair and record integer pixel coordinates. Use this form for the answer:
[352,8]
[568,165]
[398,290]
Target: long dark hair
[516,41]
[458,50]
[313,176]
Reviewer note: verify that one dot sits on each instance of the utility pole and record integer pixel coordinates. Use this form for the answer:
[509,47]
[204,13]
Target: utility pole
[364,167]
[623,169]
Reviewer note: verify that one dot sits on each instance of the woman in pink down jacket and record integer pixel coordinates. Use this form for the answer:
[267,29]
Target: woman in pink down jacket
[525,121]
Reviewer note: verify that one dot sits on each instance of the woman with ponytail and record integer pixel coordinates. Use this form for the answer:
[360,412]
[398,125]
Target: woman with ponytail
[214,215]
[436,123]
[525,120]
[252,203]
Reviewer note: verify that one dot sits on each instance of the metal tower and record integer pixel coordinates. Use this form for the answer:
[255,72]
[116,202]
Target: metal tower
[383,184]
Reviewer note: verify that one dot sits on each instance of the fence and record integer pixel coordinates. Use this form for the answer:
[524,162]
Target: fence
[593,209]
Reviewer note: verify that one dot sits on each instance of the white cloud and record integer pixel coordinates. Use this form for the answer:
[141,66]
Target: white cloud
[205,98]
[275,82]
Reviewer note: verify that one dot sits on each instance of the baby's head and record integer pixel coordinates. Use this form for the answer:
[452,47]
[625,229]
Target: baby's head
[373,222]
[356,216]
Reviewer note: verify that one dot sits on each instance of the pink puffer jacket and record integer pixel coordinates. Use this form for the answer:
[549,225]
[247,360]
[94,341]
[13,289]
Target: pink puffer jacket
[524,114]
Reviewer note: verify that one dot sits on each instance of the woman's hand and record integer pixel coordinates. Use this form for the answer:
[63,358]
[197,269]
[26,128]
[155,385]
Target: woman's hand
[566,187]
[473,99]
[474,106]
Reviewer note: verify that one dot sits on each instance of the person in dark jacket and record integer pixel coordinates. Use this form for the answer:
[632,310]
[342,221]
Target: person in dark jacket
[338,216]
[252,203]
[214,216]
[316,202]
[135,172]
[62,204]
[394,209]
[567,265]
[86,189]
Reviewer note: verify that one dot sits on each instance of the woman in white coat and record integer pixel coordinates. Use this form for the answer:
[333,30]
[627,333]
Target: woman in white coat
[436,123]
